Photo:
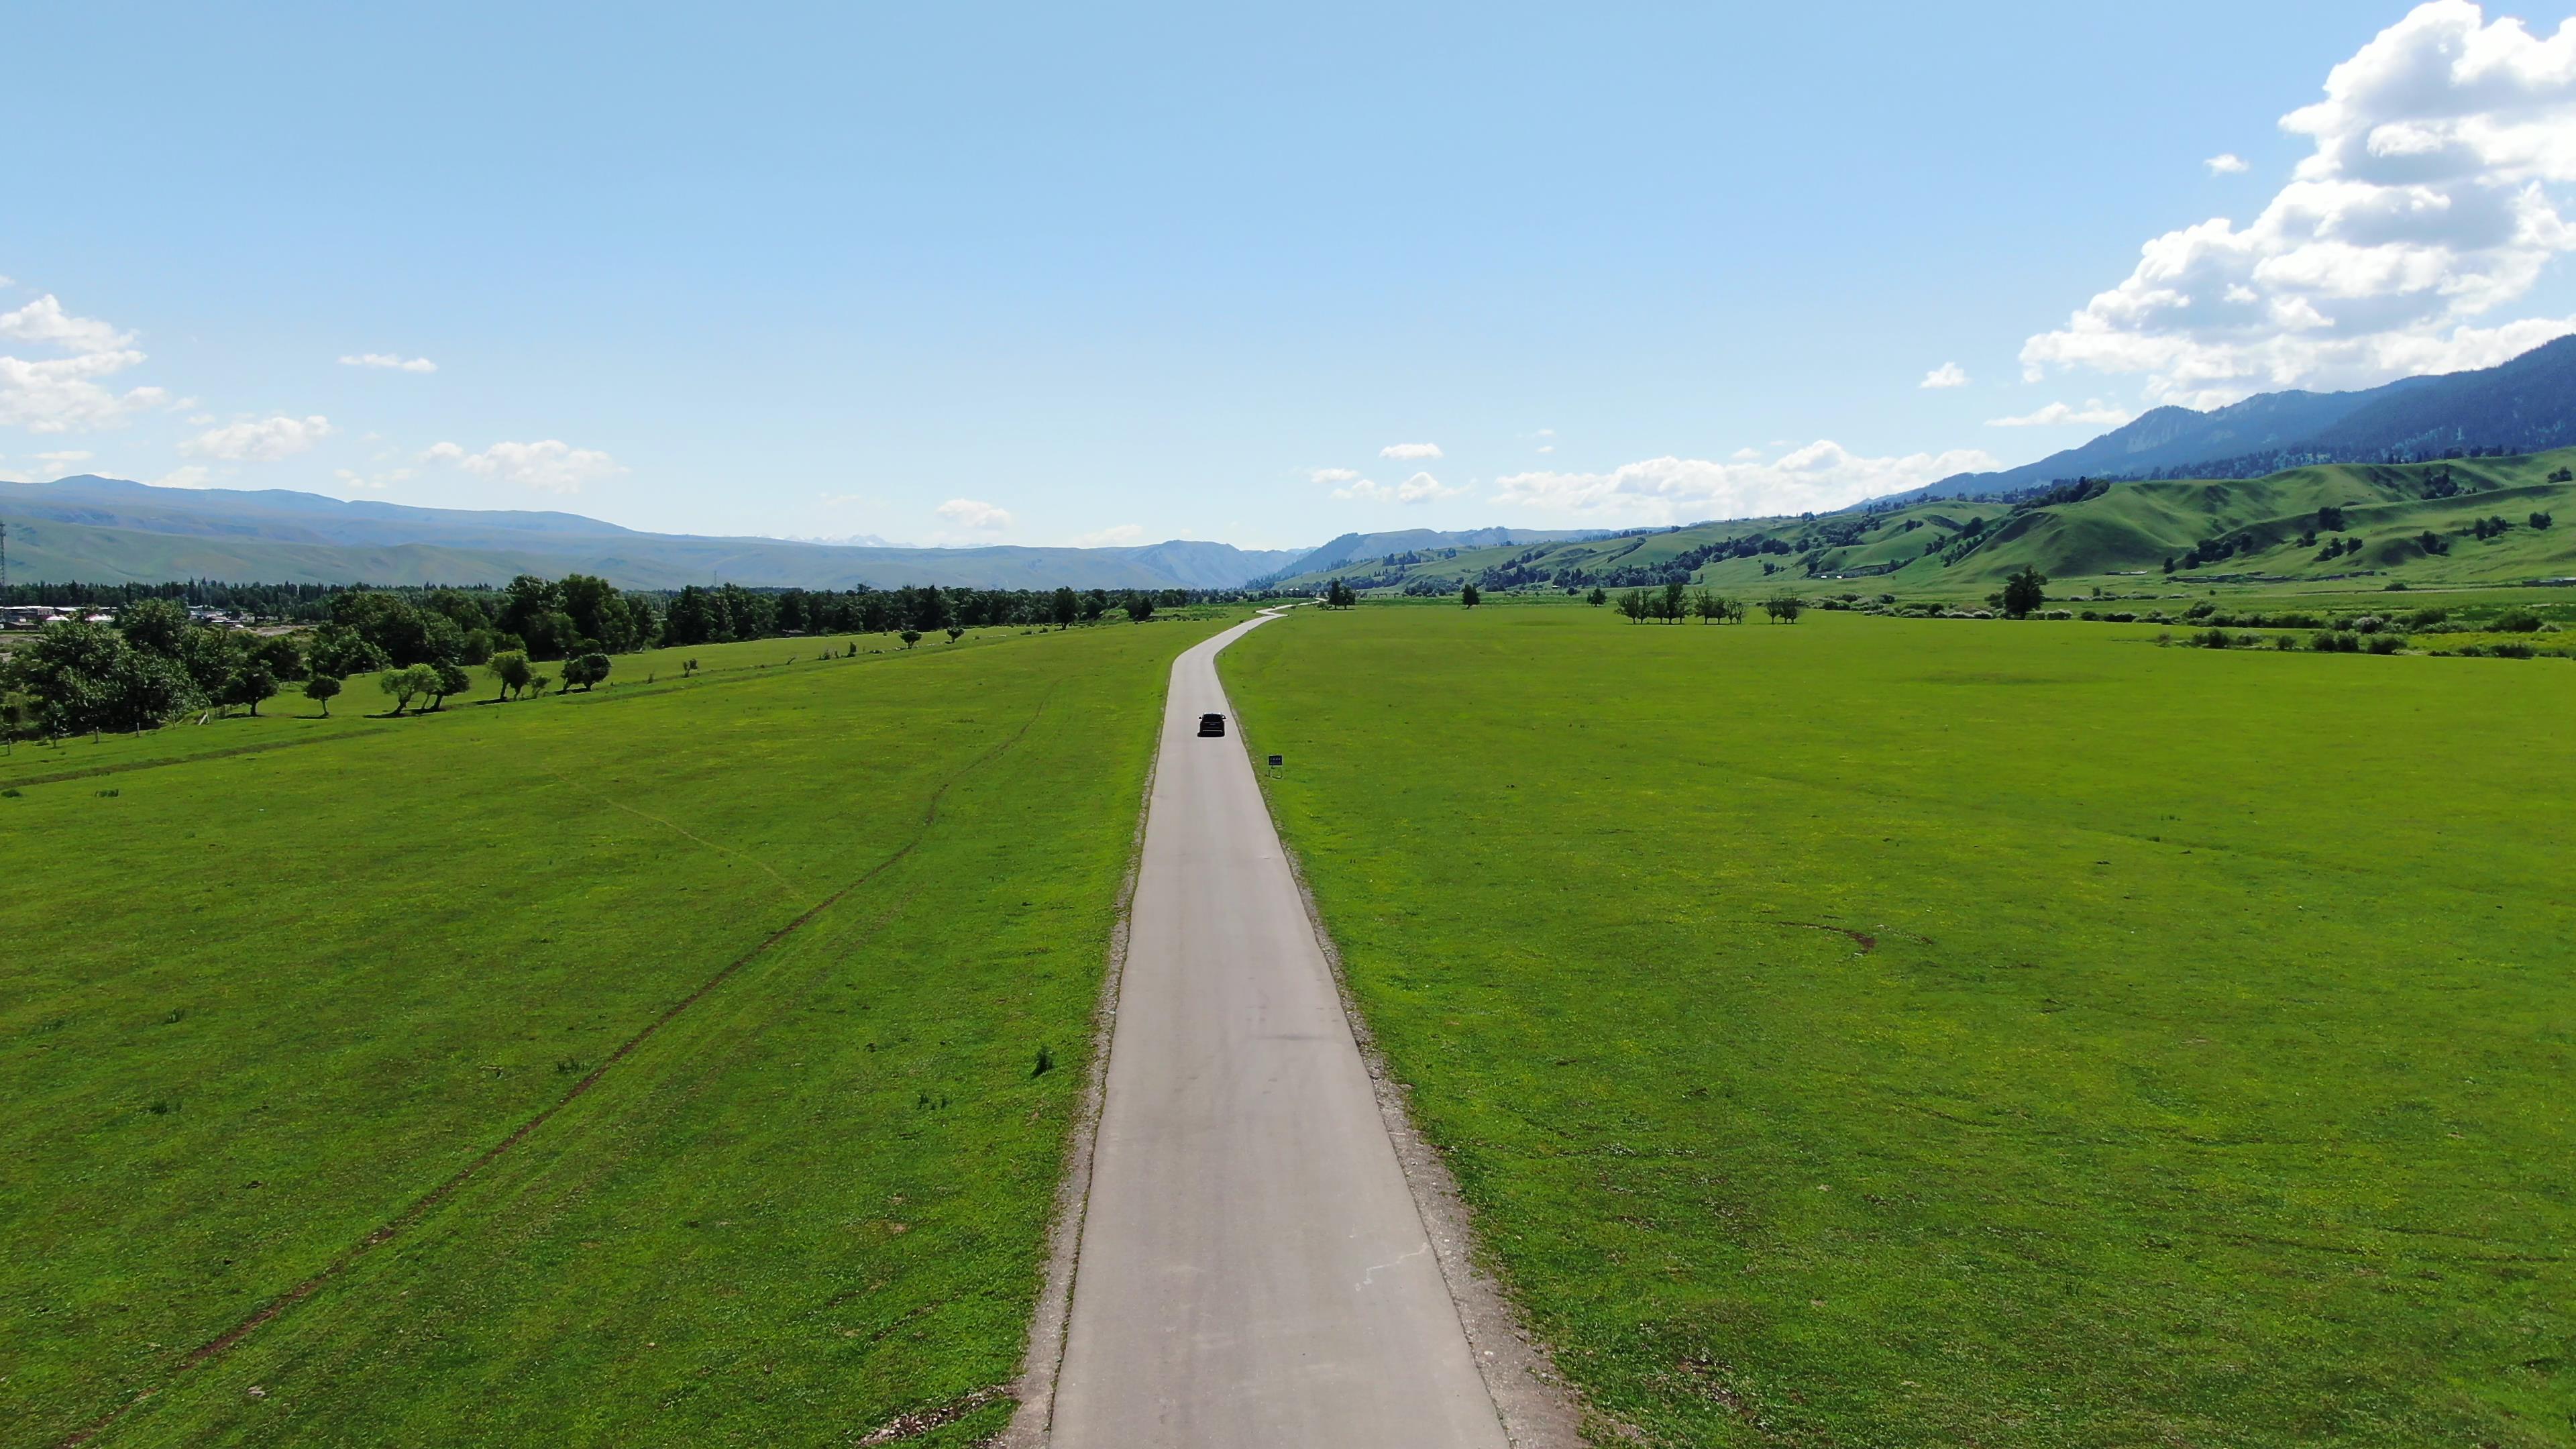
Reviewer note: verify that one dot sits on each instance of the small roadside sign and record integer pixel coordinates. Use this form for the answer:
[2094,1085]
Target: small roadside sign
[1277,760]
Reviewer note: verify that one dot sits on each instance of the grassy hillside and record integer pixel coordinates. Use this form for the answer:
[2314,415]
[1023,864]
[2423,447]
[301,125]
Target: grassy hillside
[660,1065]
[1872,1032]
[2116,538]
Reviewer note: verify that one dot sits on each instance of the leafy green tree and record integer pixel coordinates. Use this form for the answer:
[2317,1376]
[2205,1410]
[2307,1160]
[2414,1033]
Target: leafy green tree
[586,671]
[452,679]
[86,677]
[159,626]
[1469,596]
[1633,606]
[406,684]
[248,684]
[510,668]
[2025,592]
[211,656]
[1784,608]
[1708,606]
[341,652]
[2542,520]
[1670,607]
[1597,597]
[956,632]
[283,656]
[1140,607]
[911,637]
[322,689]
[1064,606]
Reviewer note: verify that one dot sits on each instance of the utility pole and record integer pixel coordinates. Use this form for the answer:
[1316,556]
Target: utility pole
[4,558]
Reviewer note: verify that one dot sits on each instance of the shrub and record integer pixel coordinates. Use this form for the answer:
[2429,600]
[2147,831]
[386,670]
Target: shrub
[2386,643]
[2057,614]
[2427,618]
[2513,650]
[2212,639]
[2122,617]
[2284,641]
[2091,616]
[2516,621]
[2367,624]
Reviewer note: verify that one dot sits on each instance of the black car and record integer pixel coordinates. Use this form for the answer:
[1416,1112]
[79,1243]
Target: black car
[1211,726]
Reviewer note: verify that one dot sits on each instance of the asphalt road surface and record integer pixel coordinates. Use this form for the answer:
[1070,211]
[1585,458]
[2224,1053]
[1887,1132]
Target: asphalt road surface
[1252,1268]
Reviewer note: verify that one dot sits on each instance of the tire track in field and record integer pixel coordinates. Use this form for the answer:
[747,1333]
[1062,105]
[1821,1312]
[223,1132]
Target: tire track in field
[428,1202]
[756,861]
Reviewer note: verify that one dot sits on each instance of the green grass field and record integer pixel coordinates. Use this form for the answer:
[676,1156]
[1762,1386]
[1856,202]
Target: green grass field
[651,1066]
[1938,1033]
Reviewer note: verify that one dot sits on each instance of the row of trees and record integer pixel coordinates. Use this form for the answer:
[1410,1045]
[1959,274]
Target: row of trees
[154,663]
[1677,601]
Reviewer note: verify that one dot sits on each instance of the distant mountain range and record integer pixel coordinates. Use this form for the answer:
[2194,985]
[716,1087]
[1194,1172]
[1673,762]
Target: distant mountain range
[2524,406]
[105,530]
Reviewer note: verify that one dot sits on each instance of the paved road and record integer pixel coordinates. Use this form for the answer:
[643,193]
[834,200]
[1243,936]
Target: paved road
[1253,1271]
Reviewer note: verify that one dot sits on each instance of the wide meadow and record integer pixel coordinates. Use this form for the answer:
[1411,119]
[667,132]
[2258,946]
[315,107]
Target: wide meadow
[685,1063]
[1939,1032]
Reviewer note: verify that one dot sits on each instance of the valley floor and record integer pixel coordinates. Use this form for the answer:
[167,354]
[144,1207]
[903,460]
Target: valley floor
[1946,1032]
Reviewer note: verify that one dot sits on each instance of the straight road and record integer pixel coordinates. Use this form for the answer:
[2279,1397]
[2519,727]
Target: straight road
[1252,1269]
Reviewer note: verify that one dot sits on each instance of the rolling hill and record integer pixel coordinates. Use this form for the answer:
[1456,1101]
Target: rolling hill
[2363,525]
[2522,406]
[106,530]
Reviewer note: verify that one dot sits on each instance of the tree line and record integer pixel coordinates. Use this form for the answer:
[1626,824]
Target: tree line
[155,662]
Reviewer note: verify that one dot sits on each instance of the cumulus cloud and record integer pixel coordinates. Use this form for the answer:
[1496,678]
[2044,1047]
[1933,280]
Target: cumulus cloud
[2225,163]
[2094,412]
[372,482]
[62,461]
[1819,476]
[392,360]
[1409,452]
[264,441]
[1117,535]
[970,513]
[1420,488]
[191,476]
[2427,206]
[1948,374]
[1332,475]
[550,466]
[63,394]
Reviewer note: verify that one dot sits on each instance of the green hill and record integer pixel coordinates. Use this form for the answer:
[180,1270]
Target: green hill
[2361,524]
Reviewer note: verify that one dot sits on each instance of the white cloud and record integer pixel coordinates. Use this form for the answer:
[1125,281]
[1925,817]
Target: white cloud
[1332,475]
[2225,163]
[969,513]
[44,321]
[372,482]
[392,360]
[1409,452]
[1742,454]
[62,462]
[2095,412]
[2426,208]
[1121,535]
[62,394]
[1819,476]
[551,466]
[265,441]
[1547,447]
[1948,374]
[190,476]
[1420,488]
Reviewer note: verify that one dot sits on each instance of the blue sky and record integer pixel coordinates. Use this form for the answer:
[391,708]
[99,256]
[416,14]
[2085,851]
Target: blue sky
[1055,274]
